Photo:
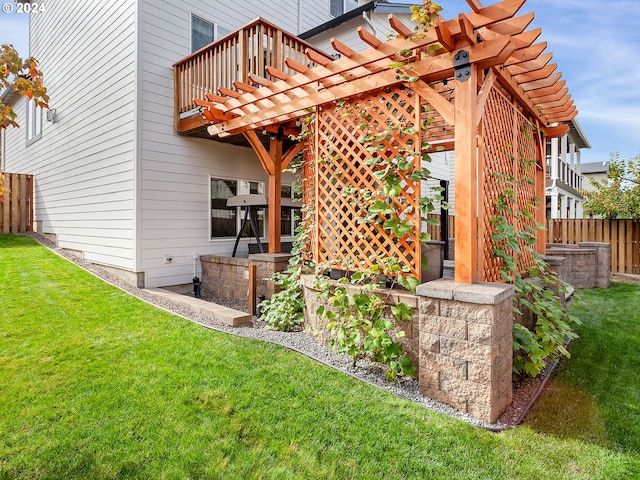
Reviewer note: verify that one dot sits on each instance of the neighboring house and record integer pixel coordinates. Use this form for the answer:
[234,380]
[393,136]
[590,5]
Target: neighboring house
[564,173]
[113,179]
[597,171]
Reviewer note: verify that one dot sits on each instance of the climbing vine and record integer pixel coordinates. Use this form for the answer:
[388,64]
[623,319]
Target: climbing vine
[537,288]
[360,319]
[285,310]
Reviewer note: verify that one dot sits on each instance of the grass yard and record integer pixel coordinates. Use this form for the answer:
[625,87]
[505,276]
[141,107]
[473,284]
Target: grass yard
[595,396]
[97,384]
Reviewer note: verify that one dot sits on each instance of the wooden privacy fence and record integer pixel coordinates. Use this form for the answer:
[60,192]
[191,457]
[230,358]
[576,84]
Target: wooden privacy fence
[623,235]
[16,204]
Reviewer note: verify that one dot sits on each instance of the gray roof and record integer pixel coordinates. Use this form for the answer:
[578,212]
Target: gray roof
[596,167]
[374,6]
[578,135]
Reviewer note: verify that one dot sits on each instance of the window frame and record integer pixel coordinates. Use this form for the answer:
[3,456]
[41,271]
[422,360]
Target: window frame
[345,7]
[238,210]
[33,114]
[218,31]
[295,216]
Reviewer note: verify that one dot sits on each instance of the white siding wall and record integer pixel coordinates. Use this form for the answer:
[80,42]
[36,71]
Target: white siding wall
[442,168]
[175,170]
[83,164]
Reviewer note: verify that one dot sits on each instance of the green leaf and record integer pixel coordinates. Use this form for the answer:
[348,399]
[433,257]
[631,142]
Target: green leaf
[410,283]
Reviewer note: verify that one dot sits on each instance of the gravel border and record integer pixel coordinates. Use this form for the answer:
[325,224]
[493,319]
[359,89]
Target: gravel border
[371,373]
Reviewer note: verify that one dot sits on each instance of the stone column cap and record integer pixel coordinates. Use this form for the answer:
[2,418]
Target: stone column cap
[554,259]
[594,244]
[484,293]
[270,257]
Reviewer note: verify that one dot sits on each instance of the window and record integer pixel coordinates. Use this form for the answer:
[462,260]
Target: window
[227,221]
[34,122]
[340,7]
[204,32]
[289,216]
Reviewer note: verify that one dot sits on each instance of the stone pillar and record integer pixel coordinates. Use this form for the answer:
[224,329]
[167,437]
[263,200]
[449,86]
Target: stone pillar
[268,264]
[603,262]
[465,345]
[556,264]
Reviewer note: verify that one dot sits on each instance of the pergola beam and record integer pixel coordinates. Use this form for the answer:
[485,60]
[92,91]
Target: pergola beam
[432,68]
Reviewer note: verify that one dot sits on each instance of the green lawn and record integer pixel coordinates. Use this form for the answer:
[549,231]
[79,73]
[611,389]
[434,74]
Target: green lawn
[596,395]
[97,384]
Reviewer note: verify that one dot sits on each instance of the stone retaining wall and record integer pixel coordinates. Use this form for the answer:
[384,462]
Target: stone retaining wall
[460,342]
[228,277]
[315,325]
[586,265]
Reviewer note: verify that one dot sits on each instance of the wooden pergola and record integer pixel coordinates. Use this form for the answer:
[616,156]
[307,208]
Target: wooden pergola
[489,87]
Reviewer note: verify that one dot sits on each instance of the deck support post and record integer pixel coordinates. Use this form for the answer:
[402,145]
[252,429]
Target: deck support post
[275,186]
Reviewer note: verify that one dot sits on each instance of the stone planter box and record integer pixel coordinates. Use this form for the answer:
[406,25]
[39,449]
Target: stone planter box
[228,277]
[459,341]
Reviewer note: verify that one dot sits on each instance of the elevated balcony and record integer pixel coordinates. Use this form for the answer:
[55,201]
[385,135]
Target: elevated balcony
[246,51]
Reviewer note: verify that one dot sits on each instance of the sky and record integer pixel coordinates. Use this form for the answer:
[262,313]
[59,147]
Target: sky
[595,43]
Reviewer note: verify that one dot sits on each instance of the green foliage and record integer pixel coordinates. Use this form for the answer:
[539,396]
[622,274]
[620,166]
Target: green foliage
[284,310]
[554,325]
[618,195]
[360,324]
[536,290]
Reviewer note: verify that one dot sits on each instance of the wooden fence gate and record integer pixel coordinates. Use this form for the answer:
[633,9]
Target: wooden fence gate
[16,204]
[623,235]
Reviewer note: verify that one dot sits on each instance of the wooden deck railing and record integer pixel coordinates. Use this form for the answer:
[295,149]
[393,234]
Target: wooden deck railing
[248,50]
[16,204]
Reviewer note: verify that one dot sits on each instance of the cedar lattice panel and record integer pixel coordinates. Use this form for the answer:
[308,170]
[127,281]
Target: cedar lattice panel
[526,192]
[507,136]
[342,179]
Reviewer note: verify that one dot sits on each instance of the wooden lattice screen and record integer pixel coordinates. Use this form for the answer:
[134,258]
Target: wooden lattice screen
[338,163]
[509,146]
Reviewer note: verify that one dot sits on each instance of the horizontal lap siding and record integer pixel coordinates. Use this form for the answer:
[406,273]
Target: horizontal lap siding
[174,170]
[84,163]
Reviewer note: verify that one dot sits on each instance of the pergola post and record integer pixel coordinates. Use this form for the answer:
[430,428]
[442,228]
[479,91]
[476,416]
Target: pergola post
[466,178]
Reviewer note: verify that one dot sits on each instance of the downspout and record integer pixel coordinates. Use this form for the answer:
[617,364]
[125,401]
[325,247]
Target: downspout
[367,18]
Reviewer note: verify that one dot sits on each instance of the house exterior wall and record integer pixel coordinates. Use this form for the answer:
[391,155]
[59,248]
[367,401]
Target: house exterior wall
[113,180]
[589,178]
[84,162]
[347,33]
[175,170]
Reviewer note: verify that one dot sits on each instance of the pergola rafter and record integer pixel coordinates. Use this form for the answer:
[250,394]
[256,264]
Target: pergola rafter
[502,57]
